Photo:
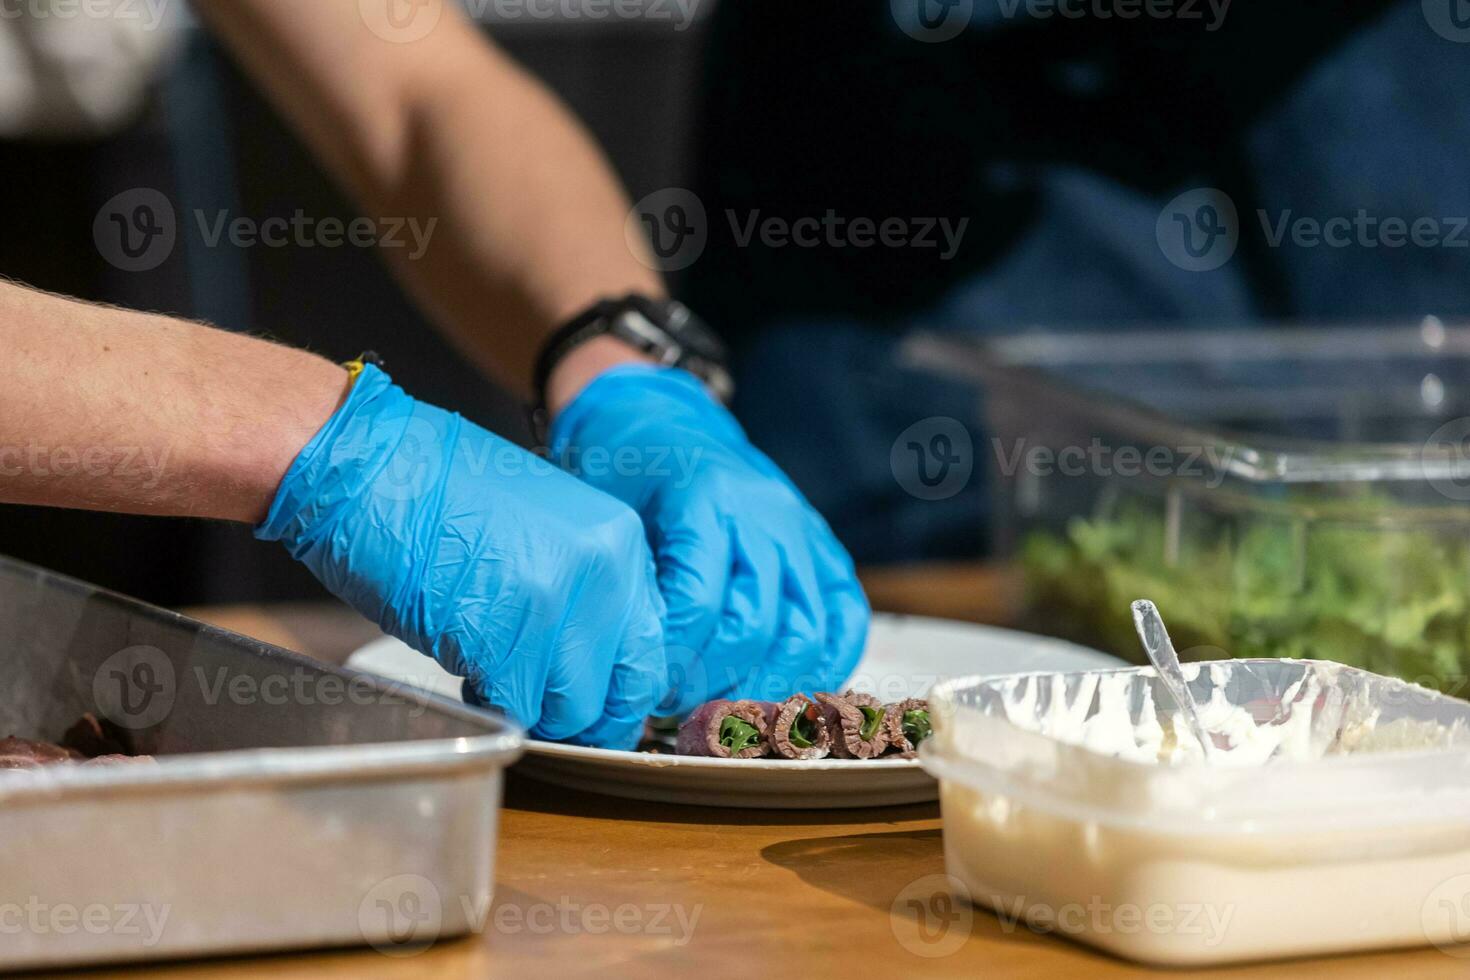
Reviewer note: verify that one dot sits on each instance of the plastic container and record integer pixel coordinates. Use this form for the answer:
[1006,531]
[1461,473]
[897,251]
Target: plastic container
[1279,492]
[1184,864]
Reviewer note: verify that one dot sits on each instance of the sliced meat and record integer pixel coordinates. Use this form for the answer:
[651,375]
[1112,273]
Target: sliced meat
[856,723]
[86,742]
[907,725]
[22,753]
[796,729]
[725,730]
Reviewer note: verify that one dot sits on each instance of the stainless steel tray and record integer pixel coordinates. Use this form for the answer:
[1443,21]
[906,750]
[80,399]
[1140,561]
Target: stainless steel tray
[293,805]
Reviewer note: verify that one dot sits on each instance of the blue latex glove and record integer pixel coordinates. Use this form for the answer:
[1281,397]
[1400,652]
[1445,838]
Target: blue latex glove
[762,600]
[536,588]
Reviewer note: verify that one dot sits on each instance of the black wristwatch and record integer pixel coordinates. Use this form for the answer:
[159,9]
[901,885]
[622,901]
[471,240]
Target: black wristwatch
[665,330]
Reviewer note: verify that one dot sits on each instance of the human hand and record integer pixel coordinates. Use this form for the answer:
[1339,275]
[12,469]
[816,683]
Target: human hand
[762,599]
[534,586]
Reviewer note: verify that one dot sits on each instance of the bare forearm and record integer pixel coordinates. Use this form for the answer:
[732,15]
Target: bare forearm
[528,215]
[107,409]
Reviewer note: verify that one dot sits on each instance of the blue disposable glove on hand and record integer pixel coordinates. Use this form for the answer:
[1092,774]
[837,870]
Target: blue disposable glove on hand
[762,599]
[535,587]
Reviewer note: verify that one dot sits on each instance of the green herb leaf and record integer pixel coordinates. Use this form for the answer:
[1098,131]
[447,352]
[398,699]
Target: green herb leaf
[737,734]
[872,718]
[803,732]
[916,726]
[1341,580]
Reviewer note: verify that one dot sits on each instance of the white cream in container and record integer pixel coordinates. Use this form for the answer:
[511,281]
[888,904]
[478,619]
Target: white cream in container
[1336,817]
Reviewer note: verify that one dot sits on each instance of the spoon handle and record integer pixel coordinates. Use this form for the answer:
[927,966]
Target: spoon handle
[1161,654]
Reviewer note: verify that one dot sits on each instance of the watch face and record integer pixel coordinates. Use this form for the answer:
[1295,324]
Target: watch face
[672,334]
[694,334]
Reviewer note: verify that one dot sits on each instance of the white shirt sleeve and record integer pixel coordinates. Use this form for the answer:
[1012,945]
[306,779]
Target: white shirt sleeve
[81,68]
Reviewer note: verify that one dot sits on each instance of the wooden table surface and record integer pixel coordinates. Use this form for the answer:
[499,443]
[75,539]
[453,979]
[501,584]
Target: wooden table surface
[598,887]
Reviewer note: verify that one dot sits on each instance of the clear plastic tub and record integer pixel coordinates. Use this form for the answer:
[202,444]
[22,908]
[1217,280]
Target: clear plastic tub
[1299,492]
[1355,836]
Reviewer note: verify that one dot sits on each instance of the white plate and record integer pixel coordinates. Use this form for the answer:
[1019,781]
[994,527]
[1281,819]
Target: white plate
[905,655]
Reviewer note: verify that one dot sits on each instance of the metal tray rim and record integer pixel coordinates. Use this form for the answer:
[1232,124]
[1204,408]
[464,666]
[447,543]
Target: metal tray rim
[363,761]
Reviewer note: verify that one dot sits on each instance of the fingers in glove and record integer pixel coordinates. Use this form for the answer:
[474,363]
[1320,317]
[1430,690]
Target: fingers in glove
[751,615]
[848,612]
[693,553]
[797,660]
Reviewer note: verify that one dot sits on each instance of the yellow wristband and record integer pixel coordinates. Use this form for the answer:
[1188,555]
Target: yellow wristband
[356,367]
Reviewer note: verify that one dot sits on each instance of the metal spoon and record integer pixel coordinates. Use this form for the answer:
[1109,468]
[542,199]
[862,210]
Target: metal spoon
[1161,654]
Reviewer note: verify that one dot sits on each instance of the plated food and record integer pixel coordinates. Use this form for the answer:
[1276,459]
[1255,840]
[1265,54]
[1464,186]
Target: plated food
[89,742]
[905,656]
[846,726]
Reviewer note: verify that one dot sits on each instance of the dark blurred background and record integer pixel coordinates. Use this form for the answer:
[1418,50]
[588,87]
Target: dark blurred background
[208,141]
[1064,144]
